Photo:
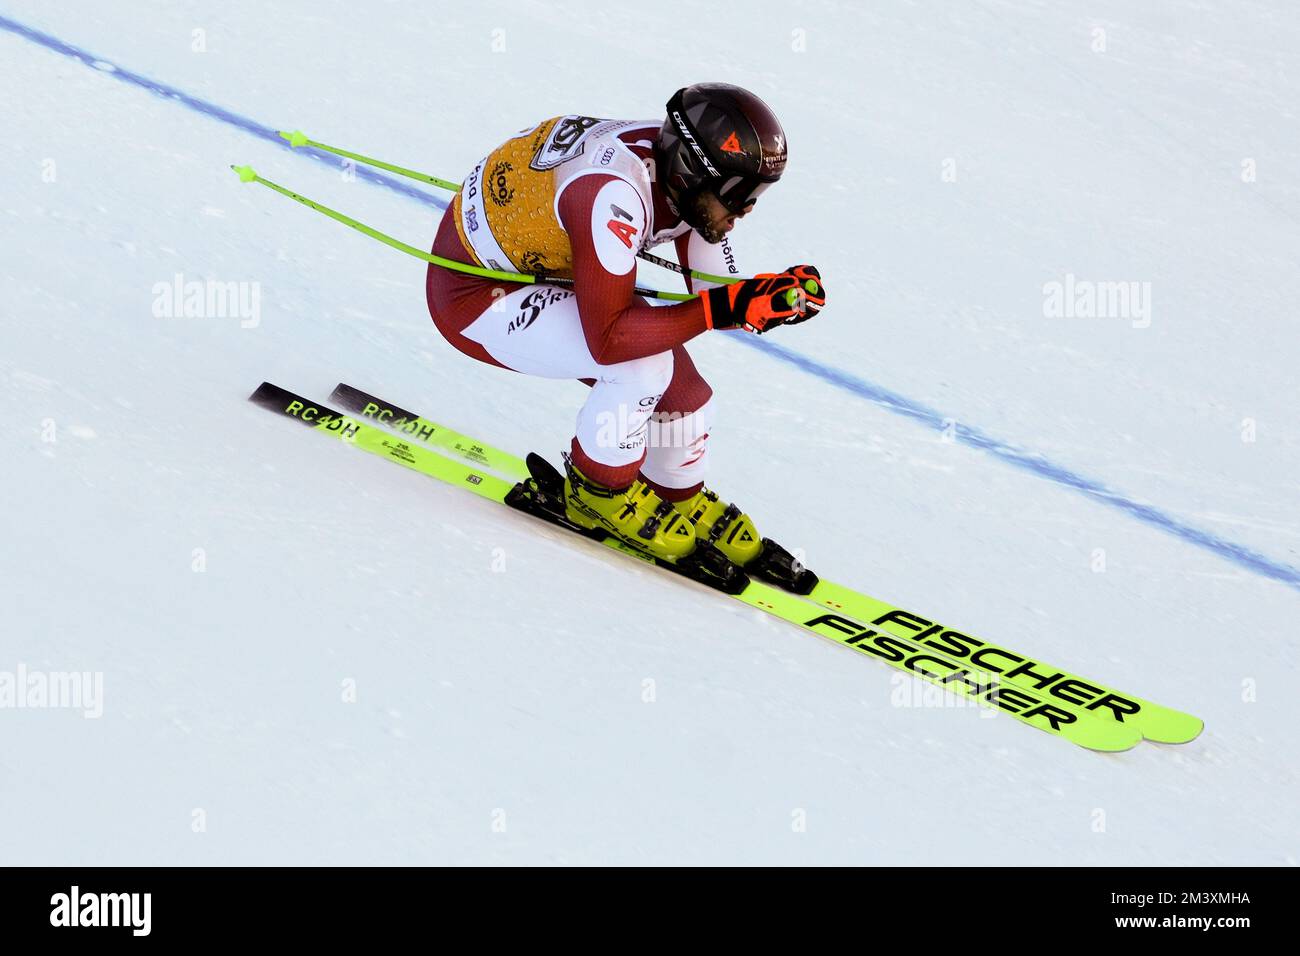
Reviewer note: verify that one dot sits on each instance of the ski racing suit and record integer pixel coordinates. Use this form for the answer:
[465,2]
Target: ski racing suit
[573,197]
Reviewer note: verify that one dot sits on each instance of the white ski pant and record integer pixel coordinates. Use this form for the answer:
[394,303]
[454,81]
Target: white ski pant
[536,330]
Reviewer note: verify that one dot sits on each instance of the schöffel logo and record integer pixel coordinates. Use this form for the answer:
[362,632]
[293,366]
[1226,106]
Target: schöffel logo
[728,256]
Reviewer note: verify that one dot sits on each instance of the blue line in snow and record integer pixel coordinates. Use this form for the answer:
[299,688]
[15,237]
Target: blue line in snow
[1028,461]
[210,109]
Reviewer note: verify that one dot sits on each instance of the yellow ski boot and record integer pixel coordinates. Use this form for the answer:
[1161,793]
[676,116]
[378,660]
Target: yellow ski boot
[634,514]
[725,528]
[723,525]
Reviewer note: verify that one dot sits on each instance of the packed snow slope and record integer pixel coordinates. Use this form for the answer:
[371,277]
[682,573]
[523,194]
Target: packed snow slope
[312,656]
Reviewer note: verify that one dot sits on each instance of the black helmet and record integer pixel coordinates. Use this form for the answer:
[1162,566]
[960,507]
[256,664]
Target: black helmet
[721,138]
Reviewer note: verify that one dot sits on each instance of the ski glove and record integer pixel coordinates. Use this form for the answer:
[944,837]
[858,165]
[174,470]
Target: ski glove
[766,301]
[814,293]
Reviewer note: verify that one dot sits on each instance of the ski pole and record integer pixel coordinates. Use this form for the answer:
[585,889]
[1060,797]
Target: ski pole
[248,175]
[298,138]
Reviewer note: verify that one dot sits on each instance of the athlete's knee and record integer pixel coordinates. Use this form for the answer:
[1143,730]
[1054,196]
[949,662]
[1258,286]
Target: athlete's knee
[687,391]
[677,456]
[672,429]
[651,374]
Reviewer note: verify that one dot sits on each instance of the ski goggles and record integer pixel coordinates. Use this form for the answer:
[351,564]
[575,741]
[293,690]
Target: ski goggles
[738,193]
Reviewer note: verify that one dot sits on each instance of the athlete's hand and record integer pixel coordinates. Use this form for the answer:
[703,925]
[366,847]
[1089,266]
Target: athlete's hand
[766,301]
[814,292]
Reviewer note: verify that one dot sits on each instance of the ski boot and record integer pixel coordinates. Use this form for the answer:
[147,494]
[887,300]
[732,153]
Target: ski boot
[723,525]
[731,531]
[634,514]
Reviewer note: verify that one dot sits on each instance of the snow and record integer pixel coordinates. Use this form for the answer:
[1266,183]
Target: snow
[522,700]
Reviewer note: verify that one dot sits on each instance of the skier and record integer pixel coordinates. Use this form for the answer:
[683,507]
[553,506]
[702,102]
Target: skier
[578,197]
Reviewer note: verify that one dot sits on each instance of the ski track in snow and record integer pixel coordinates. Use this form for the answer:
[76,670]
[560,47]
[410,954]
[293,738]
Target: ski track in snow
[1020,458]
[519,698]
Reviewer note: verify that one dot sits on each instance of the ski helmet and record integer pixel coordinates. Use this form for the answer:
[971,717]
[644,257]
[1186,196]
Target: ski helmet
[720,138]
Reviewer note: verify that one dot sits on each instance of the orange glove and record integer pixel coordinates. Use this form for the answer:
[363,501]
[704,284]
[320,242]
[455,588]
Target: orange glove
[766,301]
[814,293]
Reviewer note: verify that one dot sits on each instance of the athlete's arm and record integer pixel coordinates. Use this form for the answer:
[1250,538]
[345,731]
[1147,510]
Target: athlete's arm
[716,259]
[606,221]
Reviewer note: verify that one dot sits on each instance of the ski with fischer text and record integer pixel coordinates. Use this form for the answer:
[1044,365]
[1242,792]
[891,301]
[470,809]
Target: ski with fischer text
[1084,712]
